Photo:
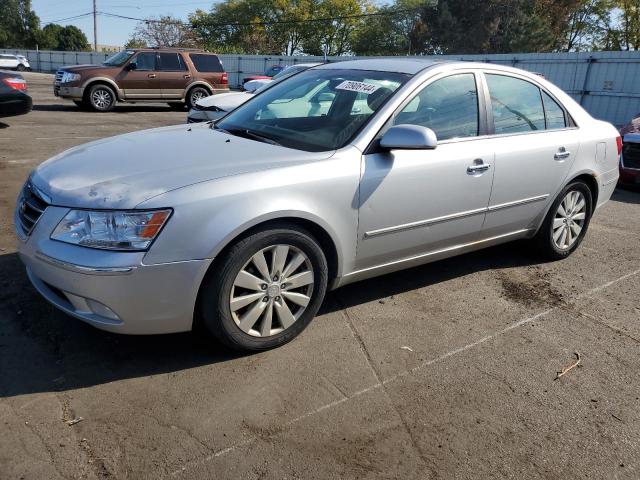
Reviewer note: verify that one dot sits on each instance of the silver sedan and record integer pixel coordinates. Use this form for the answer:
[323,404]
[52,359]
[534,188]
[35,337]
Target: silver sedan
[340,173]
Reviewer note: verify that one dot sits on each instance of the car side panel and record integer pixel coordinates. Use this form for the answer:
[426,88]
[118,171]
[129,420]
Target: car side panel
[324,192]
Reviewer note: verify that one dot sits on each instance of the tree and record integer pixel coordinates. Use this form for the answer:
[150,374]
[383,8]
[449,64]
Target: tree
[71,38]
[164,31]
[630,24]
[335,36]
[395,30]
[18,24]
[135,43]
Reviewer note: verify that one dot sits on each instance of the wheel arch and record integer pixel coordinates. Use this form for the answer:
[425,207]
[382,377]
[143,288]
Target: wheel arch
[104,81]
[314,226]
[198,83]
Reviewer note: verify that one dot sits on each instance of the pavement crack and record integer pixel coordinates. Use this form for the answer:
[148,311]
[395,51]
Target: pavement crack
[429,464]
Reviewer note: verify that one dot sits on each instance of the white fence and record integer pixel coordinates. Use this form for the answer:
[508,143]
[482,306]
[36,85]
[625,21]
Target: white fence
[607,84]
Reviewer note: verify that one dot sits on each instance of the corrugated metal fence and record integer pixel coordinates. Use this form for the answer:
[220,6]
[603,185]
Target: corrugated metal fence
[607,84]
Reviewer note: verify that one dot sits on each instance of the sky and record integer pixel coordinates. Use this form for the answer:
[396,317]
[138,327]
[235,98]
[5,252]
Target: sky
[113,31]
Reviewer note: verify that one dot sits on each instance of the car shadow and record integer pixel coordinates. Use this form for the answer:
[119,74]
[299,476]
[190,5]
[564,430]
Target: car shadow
[4,125]
[57,107]
[44,350]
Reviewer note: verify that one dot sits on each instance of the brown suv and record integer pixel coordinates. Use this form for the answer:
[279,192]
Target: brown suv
[175,76]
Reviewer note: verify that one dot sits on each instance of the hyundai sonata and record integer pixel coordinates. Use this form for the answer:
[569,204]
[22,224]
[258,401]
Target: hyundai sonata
[340,173]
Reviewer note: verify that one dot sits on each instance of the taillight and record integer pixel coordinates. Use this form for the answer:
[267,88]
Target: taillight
[15,83]
[225,79]
[619,143]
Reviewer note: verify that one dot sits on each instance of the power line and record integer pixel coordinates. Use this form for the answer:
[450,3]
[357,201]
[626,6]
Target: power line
[70,18]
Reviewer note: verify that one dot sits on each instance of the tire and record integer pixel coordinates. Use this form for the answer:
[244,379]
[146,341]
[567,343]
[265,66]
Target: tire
[21,67]
[101,98]
[176,105]
[195,94]
[271,318]
[576,201]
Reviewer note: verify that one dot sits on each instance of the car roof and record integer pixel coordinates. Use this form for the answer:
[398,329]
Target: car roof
[399,65]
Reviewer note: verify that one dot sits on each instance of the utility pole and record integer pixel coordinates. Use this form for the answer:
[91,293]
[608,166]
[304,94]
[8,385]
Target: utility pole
[95,28]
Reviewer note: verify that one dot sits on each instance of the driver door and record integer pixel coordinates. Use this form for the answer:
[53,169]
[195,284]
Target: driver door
[141,82]
[416,202]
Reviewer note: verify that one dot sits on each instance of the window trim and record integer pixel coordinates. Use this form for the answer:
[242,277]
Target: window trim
[570,122]
[483,120]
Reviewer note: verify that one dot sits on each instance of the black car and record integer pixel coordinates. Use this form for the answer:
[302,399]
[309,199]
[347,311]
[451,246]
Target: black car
[14,99]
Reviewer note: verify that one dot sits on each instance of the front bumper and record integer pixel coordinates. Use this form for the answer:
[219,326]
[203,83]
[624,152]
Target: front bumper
[114,291]
[74,93]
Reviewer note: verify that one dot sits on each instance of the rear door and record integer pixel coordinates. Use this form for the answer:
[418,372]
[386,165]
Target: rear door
[141,82]
[535,146]
[8,61]
[172,75]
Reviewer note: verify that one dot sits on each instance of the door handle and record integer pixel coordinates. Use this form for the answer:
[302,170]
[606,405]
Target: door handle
[562,154]
[478,166]
[152,75]
[186,76]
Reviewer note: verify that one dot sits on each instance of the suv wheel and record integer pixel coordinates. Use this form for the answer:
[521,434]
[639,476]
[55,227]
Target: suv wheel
[266,289]
[102,98]
[566,223]
[195,94]
[21,67]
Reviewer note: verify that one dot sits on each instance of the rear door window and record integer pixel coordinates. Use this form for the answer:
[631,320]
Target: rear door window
[171,62]
[516,105]
[553,113]
[206,63]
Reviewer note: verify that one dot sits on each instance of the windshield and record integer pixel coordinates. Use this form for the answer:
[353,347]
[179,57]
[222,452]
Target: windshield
[119,58]
[288,71]
[316,110]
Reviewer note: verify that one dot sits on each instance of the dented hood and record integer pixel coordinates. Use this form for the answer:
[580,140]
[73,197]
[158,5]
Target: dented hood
[123,171]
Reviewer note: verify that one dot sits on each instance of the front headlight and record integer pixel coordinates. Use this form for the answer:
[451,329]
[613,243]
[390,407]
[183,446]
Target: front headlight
[111,230]
[68,77]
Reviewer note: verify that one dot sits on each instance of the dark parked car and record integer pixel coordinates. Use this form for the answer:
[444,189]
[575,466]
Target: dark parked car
[14,99]
[630,158]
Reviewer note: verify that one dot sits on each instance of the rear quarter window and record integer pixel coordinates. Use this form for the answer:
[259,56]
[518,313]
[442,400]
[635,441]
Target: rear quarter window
[206,63]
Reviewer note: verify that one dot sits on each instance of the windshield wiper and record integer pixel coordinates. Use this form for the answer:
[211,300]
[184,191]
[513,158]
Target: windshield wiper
[243,132]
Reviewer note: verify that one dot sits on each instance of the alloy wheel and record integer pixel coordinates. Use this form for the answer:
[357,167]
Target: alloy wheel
[569,220]
[196,95]
[272,290]
[101,98]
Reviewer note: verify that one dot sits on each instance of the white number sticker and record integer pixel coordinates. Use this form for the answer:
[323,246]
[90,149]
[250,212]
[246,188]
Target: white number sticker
[353,86]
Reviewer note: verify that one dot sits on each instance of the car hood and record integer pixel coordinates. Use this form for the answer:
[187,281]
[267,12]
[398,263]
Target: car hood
[123,171]
[82,68]
[224,101]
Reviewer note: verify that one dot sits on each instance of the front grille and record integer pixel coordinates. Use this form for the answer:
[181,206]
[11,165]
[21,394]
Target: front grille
[58,79]
[30,208]
[631,155]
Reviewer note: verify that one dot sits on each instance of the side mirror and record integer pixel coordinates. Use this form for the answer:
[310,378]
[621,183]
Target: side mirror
[409,137]
[131,66]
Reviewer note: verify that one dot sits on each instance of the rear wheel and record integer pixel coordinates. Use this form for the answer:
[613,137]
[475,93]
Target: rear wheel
[21,67]
[195,94]
[265,290]
[566,223]
[102,98]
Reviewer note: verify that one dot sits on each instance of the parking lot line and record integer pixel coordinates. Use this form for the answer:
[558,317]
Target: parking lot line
[382,383]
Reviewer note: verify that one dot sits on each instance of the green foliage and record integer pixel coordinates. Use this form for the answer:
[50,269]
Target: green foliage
[19,25]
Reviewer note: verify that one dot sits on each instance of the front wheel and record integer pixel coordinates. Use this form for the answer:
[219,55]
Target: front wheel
[21,68]
[102,98]
[566,223]
[265,290]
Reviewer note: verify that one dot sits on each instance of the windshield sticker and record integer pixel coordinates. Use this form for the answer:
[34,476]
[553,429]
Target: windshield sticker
[359,87]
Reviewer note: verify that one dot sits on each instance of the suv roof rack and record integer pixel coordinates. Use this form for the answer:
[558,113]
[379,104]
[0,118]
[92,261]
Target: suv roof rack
[180,49]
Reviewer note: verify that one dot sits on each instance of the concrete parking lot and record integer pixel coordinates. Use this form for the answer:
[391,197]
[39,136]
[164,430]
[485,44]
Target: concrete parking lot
[443,371]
